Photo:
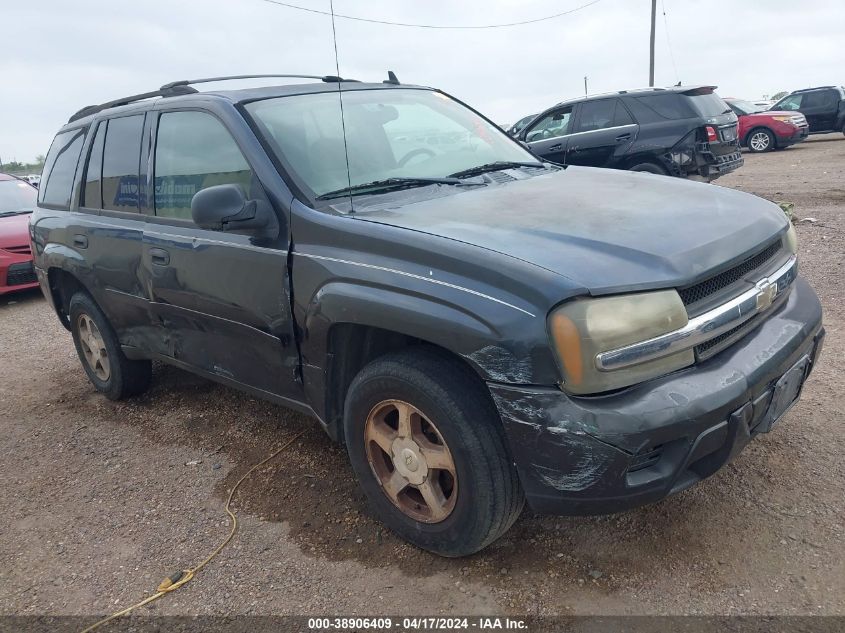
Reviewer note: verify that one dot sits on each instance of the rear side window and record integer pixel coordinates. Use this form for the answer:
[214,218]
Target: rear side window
[667,106]
[92,194]
[621,116]
[820,99]
[708,105]
[194,151]
[60,168]
[596,115]
[121,163]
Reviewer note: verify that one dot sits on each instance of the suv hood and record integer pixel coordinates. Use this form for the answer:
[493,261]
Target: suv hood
[606,230]
[14,230]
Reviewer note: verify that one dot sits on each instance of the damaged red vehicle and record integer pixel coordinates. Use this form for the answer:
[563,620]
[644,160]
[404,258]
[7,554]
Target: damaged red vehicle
[17,201]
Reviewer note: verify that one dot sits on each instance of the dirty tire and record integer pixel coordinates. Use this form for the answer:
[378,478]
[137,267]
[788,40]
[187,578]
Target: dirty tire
[649,168]
[761,140]
[125,377]
[489,497]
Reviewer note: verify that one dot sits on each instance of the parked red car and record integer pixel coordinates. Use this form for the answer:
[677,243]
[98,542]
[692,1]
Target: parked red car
[17,201]
[762,130]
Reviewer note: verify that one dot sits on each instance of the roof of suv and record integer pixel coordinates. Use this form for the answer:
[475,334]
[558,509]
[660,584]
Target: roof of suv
[686,90]
[817,88]
[184,88]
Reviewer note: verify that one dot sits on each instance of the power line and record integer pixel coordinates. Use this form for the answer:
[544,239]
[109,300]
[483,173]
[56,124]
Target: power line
[433,26]
[669,39]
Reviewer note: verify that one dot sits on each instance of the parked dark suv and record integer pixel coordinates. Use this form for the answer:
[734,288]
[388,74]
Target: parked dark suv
[681,131]
[824,107]
[479,328]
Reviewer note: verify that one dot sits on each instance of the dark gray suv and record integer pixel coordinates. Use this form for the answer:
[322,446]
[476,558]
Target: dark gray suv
[479,328]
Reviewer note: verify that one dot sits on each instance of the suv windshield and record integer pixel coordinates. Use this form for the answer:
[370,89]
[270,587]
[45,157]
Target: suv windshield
[16,197]
[744,107]
[400,133]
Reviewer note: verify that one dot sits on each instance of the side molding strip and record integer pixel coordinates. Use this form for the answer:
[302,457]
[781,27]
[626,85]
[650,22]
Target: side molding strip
[413,276]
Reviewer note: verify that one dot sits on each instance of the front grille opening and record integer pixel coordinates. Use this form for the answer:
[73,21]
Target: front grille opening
[20,274]
[18,250]
[702,290]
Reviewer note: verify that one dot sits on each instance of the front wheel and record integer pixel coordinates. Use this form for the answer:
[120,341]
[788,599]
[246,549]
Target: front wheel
[427,446]
[760,141]
[99,351]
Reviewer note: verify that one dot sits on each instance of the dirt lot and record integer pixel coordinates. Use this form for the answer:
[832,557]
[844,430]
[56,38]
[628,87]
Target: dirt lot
[101,499]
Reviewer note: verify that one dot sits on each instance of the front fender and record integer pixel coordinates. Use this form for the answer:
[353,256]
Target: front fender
[480,341]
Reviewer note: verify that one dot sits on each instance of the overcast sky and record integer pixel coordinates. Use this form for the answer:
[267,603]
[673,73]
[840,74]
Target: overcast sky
[58,56]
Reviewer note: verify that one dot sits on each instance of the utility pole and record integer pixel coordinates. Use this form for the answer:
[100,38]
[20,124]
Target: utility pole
[585,86]
[651,49]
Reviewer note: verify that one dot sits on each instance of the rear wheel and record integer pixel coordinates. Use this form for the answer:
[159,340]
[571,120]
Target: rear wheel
[761,140]
[649,168]
[427,446]
[99,351]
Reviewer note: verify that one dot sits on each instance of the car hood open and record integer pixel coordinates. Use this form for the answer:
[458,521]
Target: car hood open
[608,231]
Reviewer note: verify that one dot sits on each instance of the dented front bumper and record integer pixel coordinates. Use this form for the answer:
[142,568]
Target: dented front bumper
[609,453]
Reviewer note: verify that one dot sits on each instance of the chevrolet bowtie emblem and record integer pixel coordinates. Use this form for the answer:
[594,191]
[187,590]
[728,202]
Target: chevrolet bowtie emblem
[767,292]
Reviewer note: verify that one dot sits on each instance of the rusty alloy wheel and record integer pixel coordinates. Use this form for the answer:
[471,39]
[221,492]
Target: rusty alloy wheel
[93,347]
[411,461]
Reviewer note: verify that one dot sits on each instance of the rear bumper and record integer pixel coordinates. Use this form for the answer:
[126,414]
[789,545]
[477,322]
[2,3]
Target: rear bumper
[724,164]
[606,454]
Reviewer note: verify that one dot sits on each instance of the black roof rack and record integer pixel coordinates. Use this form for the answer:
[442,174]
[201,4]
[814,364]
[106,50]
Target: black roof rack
[816,88]
[183,87]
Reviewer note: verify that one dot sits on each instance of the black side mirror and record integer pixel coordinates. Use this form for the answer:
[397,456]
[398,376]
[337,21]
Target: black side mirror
[225,208]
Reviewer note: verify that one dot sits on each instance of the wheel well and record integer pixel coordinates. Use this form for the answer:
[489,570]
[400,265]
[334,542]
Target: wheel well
[63,286]
[651,160]
[350,348]
[754,129]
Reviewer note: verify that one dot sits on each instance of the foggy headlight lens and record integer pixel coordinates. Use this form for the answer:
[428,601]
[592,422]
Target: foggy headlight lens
[583,328]
[790,240]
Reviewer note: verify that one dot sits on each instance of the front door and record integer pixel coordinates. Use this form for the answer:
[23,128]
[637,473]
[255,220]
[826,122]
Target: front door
[220,299]
[603,130]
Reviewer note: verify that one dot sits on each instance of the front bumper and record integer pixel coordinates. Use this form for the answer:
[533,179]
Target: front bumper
[16,272]
[799,134]
[609,453]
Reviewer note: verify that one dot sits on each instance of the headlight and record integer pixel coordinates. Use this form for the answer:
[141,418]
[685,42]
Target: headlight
[784,119]
[583,328]
[790,240]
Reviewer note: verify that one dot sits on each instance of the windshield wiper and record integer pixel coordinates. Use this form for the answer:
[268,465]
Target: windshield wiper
[496,166]
[5,214]
[389,183]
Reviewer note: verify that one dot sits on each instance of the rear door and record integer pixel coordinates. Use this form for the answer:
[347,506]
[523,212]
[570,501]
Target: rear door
[820,108]
[604,130]
[219,298]
[110,239]
[547,138]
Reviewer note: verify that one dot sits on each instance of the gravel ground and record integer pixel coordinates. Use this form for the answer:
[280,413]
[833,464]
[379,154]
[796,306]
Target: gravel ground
[102,500]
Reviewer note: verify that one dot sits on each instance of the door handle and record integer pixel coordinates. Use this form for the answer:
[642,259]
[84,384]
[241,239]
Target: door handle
[623,137]
[555,148]
[80,241]
[159,256]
